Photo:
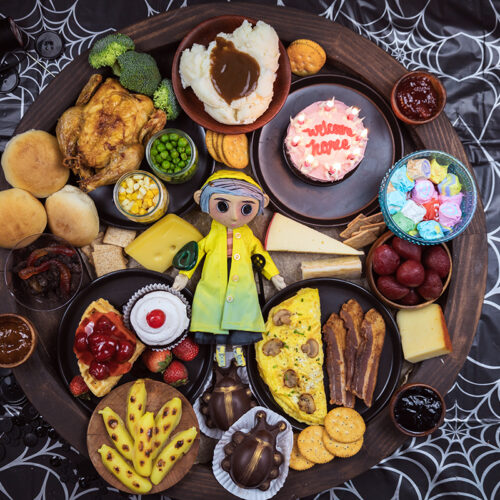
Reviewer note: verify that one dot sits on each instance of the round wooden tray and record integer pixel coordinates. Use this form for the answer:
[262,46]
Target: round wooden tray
[359,57]
[158,394]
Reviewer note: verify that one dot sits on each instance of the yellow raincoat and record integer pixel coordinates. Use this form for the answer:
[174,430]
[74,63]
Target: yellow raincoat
[220,303]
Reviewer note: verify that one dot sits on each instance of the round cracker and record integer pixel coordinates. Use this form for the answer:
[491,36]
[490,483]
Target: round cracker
[235,150]
[310,444]
[218,138]
[210,145]
[297,460]
[342,450]
[344,425]
[306,57]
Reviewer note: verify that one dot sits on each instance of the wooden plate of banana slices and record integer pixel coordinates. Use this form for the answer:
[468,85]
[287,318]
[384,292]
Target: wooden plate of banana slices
[143,437]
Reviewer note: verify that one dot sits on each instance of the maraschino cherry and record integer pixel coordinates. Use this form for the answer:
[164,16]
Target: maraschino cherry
[155,318]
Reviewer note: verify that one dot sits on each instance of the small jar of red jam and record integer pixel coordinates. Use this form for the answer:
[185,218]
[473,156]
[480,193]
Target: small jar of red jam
[418,97]
[417,409]
[17,340]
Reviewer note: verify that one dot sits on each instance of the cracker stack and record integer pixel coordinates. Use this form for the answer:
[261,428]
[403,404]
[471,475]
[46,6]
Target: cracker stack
[363,230]
[106,251]
[232,150]
[341,436]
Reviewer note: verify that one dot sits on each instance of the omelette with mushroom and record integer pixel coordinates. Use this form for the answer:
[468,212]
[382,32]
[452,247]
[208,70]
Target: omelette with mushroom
[290,357]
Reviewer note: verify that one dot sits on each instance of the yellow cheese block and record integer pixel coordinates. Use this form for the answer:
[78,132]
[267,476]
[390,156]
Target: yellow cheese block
[424,333]
[156,247]
[287,235]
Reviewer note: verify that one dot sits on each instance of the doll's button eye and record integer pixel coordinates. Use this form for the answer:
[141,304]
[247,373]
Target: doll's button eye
[246,209]
[222,206]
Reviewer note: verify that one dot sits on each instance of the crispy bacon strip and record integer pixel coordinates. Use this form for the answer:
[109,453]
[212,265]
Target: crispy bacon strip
[334,333]
[352,314]
[368,356]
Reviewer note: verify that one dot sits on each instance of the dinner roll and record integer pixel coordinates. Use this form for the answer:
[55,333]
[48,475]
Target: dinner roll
[72,216]
[33,161]
[21,215]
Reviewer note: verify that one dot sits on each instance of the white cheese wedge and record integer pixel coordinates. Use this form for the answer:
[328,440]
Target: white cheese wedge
[423,332]
[287,235]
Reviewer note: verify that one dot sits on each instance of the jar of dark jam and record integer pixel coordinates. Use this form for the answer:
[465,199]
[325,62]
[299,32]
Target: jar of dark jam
[418,97]
[417,409]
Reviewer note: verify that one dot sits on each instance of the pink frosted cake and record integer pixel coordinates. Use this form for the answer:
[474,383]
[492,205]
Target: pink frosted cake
[326,140]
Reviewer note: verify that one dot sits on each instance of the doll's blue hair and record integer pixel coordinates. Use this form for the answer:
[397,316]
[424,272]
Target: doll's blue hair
[236,187]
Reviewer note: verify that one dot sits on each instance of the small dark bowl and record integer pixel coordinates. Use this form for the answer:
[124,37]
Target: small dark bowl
[371,278]
[34,337]
[203,34]
[438,87]
[400,428]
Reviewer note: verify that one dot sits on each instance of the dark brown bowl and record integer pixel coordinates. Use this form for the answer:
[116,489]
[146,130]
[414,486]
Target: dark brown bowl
[33,333]
[203,34]
[392,404]
[438,87]
[371,279]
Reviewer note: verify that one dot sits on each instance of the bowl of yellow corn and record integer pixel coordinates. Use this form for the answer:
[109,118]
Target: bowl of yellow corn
[140,196]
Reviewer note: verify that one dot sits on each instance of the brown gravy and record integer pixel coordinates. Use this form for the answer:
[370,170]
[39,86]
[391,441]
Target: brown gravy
[15,340]
[234,74]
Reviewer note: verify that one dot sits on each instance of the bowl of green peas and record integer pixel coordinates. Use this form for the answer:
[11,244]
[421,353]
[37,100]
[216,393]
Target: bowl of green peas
[172,155]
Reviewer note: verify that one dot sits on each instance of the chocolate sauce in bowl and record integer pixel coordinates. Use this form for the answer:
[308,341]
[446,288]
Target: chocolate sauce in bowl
[234,74]
[15,340]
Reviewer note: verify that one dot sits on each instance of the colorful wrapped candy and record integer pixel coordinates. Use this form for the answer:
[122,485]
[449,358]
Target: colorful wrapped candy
[418,169]
[450,185]
[404,223]
[395,201]
[401,181]
[457,199]
[438,172]
[449,214]
[431,209]
[430,230]
[413,211]
[423,191]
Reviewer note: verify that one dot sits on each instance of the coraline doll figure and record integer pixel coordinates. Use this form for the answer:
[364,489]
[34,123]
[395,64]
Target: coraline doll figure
[226,307]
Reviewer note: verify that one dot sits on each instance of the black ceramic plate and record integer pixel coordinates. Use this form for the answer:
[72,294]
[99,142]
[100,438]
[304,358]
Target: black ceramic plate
[117,288]
[333,293]
[330,204]
[181,195]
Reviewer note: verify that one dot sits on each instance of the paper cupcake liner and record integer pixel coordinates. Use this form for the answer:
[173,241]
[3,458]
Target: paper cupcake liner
[284,445]
[213,432]
[127,309]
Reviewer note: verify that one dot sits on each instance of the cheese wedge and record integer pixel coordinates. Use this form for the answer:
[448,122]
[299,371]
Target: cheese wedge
[423,332]
[287,235]
[156,247]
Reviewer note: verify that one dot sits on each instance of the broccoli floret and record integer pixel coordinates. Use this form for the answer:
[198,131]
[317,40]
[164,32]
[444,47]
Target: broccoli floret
[138,72]
[107,49]
[164,98]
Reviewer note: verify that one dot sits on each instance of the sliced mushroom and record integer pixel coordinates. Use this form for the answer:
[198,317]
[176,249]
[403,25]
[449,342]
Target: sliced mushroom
[311,348]
[282,317]
[272,347]
[306,403]
[290,378]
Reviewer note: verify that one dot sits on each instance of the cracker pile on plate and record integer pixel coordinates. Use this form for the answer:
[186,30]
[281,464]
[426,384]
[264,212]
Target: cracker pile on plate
[232,150]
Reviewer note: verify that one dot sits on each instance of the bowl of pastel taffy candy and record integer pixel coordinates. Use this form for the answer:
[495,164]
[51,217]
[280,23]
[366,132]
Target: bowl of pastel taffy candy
[428,197]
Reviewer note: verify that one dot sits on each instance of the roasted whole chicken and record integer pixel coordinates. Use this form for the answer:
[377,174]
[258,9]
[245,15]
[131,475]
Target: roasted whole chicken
[103,135]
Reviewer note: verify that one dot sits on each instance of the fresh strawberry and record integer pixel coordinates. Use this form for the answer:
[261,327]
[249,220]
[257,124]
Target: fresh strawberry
[156,361]
[78,387]
[176,374]
[187,350]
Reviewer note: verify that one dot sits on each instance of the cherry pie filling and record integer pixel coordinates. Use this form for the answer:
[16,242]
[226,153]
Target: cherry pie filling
[104,344]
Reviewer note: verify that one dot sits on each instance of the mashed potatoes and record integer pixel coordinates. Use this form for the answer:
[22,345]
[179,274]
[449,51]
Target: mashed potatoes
[260,42]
